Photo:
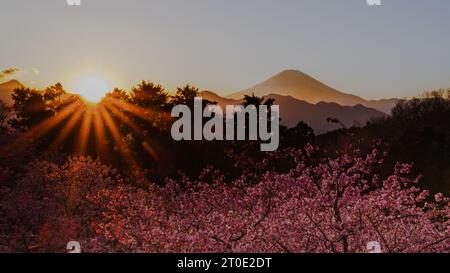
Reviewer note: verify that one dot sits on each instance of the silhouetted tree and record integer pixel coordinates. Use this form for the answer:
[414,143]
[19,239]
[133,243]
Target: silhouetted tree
[185,95]
[252,100]
[150,95]
[119,94]
[418,131]
[297,136]
[336,121]
[30,107]
[429,108]
[54,91]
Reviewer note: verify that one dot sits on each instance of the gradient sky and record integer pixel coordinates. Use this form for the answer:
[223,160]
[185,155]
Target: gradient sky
[396,50]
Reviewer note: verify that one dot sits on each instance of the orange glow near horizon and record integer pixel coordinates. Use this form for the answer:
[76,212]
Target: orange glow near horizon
[95,129]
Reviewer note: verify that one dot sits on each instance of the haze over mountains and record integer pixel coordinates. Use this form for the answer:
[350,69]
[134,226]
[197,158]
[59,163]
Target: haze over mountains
[301,86]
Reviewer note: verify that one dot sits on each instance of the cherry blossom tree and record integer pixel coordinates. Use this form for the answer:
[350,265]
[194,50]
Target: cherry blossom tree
[331,205]
[320,204]
[47,206]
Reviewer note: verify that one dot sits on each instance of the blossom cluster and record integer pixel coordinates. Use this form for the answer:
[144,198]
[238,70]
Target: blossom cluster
[321,205]
[334,205]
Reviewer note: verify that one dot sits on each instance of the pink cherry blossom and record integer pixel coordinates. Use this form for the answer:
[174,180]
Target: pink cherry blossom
[336,205]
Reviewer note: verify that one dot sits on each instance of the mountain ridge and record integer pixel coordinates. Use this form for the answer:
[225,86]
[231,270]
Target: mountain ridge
[301,86]
[293,111]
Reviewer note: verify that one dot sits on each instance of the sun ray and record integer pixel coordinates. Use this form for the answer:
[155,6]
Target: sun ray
[97,120]
[45,126]
[140,112]
[135,127]
[68,127]
[115,133]
[59,117]
[85,130]
[123,118]
[101,144]
[151,151]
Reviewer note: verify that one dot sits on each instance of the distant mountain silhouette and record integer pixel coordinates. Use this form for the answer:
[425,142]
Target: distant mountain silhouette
[211,96]
[301,86]
[6,90]
[315,115]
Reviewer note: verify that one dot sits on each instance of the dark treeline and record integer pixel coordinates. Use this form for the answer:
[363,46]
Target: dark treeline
[417,132]
[142,118]
[136,134]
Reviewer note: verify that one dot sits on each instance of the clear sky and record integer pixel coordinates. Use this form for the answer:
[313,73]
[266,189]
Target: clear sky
[396,50]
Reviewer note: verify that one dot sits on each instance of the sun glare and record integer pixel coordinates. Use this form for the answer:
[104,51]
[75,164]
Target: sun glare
[93,88]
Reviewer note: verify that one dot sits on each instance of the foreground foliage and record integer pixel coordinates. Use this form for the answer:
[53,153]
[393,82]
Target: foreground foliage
[320,205]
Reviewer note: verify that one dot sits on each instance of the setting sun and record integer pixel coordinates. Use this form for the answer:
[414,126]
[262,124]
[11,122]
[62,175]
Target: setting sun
[93,88]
